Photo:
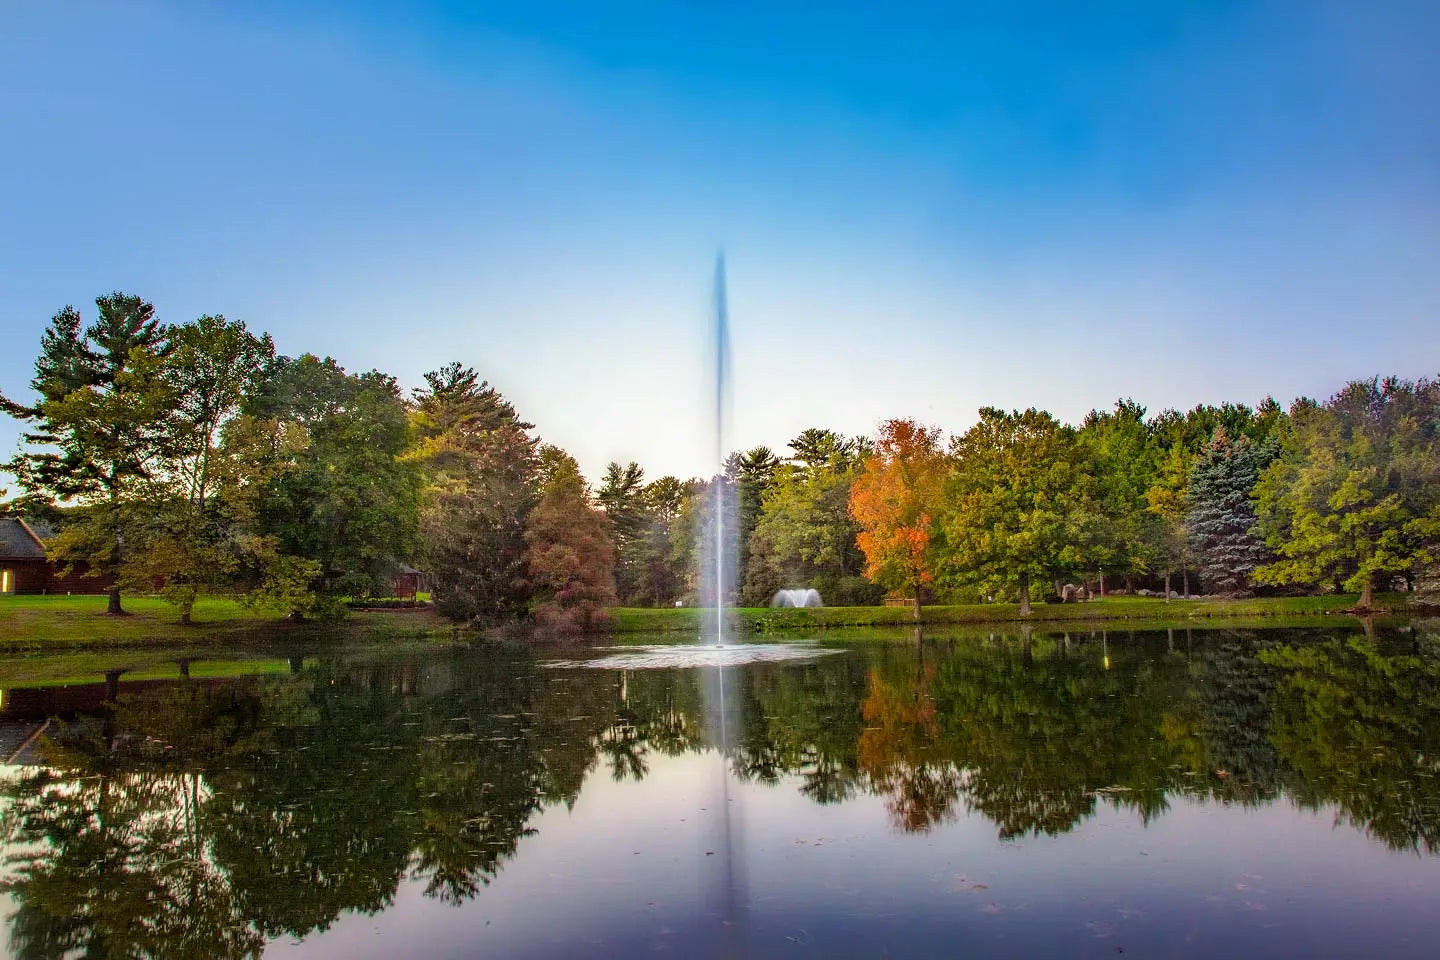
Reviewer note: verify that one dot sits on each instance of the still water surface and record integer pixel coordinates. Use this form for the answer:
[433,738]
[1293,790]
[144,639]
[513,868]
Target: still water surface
[1172,793]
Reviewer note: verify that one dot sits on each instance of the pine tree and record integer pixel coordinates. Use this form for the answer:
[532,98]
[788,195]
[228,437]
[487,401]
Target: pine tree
[95,427]
[1220,515]
[481,466]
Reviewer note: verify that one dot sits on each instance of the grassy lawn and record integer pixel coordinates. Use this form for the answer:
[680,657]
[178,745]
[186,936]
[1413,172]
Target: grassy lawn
[1153,610]
[70,622]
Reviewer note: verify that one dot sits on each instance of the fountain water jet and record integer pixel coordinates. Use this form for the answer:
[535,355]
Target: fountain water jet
[796,598]
[719,542]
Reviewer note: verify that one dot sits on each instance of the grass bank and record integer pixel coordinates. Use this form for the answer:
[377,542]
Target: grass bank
[40,623]
[1126,609]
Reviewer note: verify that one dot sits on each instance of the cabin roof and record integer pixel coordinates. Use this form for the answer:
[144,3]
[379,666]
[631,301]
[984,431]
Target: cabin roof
[18,541]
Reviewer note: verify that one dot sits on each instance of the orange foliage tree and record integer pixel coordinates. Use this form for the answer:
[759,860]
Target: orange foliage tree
[569,553]
[894,501]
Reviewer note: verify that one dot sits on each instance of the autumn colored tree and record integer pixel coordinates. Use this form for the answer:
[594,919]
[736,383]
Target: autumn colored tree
[569,554]
[894,500]
[1017,504]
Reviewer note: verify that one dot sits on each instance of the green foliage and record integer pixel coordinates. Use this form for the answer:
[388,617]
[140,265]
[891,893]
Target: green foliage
[1016,504]
[622,496]
[805,535]
[481,481]
[1354,498]
[195,513]
[1124,464]
[97,425]
[340,491]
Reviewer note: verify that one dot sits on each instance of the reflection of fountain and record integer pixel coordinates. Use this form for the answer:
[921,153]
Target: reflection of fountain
[723,556]
[797,598]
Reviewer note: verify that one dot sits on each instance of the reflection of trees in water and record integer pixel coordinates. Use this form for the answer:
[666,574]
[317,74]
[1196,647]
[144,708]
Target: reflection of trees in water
[200,822]
[1359,725]
[303,797]
[1024,731]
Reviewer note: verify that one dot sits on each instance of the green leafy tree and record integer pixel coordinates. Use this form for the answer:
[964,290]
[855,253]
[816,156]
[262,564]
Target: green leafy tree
[1016,503]
[340,491]
[96,426]
[1169,542]
[805,536]
[1354,497]
[186,537]
[1123,464]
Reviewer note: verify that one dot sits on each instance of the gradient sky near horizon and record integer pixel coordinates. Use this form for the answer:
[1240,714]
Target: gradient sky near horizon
[925,208]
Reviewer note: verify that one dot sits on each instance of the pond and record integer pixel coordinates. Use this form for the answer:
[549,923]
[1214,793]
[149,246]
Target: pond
[1178,793]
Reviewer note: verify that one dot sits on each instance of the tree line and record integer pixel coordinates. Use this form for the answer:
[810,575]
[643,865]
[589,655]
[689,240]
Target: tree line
[196,457]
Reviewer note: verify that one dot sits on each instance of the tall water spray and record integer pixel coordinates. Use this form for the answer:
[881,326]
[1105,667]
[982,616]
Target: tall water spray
[719,544]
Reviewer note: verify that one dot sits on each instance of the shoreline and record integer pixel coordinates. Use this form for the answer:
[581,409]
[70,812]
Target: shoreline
[1127,610]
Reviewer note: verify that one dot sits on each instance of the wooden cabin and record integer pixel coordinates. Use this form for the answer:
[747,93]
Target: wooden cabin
[24,567]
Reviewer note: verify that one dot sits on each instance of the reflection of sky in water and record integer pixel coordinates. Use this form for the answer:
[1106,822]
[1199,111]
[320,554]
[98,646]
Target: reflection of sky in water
[625,873]
[1230,792]
[679,656]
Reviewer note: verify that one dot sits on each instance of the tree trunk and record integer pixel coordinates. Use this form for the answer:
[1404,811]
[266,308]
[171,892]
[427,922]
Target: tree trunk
[185,615]
[1167,587]
[1185,576]
[917,604]
[112,607]
[1024,594]
[1130,584]
[1367,594]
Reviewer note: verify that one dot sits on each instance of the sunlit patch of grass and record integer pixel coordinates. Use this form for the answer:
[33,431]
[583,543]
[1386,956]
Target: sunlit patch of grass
[69,622]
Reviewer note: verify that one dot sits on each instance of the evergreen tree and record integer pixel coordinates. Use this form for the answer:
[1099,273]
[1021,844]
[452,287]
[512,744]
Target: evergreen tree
[569,555]
[622,497]
[480,465]
[96,426]
[1220,512]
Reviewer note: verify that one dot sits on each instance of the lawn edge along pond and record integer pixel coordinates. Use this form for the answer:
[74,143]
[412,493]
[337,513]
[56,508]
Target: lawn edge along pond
[45,623]
[1119,609]
[42,623]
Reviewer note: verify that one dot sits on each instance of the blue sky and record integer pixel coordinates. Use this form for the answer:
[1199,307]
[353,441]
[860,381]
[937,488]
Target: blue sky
[925,207]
